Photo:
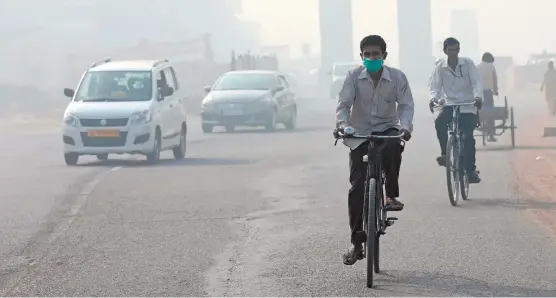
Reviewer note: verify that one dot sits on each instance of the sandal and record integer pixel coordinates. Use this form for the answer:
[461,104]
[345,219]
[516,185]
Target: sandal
[394,205]
[354,254]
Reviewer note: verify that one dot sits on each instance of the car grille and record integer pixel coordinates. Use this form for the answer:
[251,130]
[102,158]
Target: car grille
[103,141]
[115,122]
[247,108]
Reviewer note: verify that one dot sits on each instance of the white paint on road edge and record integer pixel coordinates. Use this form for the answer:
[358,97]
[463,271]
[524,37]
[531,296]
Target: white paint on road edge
[70,216]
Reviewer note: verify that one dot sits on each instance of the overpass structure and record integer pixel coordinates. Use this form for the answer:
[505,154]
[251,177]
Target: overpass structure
[415,39]
[336,32]
[415,36]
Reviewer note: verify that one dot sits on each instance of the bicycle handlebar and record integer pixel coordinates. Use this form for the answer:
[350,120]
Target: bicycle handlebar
[350,134]
[458,104]
[442,103]
[369,137]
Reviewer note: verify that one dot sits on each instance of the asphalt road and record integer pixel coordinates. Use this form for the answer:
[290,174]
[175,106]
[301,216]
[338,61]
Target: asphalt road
[258,214]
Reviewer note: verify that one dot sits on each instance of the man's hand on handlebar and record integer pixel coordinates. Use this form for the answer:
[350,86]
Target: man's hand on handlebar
[435,102]
[478,102]
[338,132]
[406,134]
[432,103]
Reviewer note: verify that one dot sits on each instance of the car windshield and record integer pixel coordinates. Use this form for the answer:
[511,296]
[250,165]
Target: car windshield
[115,86]
[245,81]
[342,70]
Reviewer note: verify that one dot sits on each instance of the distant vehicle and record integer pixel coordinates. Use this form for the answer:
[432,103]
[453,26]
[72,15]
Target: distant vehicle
[339,72]
[121,107]
[249,98]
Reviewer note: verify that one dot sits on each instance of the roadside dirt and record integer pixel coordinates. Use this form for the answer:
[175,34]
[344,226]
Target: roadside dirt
[534,170]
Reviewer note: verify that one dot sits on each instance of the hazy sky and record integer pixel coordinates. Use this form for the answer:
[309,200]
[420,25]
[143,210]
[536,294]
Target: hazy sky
[506,27]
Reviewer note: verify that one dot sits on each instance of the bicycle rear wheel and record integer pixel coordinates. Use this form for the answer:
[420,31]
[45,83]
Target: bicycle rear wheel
[452,169]
[464,184]
[371,231]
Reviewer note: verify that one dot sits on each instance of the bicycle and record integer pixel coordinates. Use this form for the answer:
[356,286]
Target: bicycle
[457,177]
[375,219]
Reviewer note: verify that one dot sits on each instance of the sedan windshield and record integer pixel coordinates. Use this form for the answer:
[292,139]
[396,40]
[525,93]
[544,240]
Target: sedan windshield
[115,86]
[245,82]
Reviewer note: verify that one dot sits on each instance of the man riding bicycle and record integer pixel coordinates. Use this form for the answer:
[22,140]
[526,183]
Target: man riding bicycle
[457,78]
[374,99]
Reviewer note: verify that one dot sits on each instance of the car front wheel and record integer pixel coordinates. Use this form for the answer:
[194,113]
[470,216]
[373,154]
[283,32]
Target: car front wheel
[271,121]
[292,121]
[207,128]
[154,156]
[179,151]
[71,158]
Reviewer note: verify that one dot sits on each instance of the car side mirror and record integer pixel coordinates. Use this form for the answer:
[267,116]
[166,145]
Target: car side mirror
[69,92]
[207,89]
[159,95]
[280,88]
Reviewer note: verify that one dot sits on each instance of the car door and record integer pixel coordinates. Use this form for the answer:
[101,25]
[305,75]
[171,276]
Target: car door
[180,99]
[173,106]
[163,106]
[285,98]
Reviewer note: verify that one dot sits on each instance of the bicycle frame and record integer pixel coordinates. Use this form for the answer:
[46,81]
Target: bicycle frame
[453,127]
[374,170]
[456,175]
[374,214]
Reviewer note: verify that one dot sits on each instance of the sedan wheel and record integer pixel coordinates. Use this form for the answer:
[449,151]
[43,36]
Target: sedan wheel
[271,122]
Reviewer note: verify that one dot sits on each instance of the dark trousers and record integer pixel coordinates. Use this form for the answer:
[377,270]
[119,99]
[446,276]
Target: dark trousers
[391,162]
[488,96]
[467,124]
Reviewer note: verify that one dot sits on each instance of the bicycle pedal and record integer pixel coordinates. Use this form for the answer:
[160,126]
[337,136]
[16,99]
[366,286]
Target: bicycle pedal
[382,233]
[389,223]
[392,218]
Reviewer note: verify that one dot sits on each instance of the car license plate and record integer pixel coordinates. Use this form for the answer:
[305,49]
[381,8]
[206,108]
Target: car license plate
[232,110]
[103,133]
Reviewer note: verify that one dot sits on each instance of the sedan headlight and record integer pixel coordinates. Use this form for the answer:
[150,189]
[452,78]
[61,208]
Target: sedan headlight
[207,106]
[71,120]
[266,99]
[141,117]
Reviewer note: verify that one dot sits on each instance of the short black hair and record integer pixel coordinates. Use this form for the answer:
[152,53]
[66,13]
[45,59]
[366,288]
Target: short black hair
[373,40]
[450,41]
[487,57]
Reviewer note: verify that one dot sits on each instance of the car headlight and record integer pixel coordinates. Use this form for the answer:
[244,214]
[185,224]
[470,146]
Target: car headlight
[71,120]
[266,99]
[207,106]
[141,117]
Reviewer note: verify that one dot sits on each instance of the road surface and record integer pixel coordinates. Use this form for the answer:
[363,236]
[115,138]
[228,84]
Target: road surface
[258,214]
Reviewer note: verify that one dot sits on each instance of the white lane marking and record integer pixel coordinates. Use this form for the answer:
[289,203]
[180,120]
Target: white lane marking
[67,219]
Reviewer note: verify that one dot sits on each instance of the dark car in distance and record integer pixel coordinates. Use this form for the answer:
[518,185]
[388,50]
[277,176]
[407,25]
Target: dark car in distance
[249,98]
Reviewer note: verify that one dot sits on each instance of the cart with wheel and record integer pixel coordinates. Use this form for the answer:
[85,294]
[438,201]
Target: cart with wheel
[502,114]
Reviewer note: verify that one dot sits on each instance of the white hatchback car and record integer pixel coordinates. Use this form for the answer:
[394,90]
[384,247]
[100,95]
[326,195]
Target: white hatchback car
[125,107]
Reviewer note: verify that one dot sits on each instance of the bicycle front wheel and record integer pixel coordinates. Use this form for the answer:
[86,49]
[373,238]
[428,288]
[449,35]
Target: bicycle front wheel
[452,169]
[371,231]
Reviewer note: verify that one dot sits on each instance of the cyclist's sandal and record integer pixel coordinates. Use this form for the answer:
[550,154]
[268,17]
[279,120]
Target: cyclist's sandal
[441,160]
[351,256]
[394,205]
